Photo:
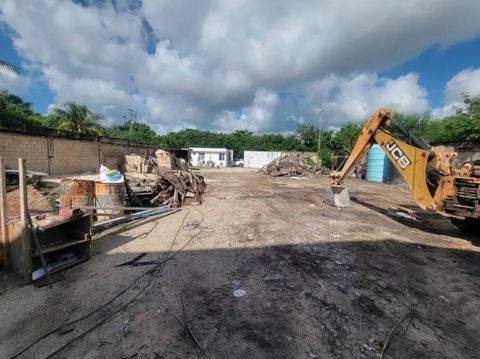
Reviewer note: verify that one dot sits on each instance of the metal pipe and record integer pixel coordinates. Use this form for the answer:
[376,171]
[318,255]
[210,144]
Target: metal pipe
[39,249]
[143,214]
[120,208]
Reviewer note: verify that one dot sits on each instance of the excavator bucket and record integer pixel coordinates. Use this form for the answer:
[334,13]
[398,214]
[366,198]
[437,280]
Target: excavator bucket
[337,196]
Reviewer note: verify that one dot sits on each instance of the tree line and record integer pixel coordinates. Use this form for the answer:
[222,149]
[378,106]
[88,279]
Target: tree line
[72,116]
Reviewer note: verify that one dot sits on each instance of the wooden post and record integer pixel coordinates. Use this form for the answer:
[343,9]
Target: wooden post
[4,216]
[25,237]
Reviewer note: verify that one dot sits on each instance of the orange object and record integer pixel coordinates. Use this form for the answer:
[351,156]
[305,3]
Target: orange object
[77,193]
[436,185]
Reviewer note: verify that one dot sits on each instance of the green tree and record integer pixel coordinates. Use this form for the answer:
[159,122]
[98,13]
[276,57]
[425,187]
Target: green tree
[15,112]
[78,118]
[345,138]
[308,135]
[140,132]
[51,121]
[421,126]
[470,118]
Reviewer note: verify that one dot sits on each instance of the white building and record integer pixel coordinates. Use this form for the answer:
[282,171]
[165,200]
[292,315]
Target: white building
[258,159]
[213,157]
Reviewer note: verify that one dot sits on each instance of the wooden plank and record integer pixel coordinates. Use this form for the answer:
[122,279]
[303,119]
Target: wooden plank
[55,247]
[53,220]
[39,249]
[3,216]
[26,251]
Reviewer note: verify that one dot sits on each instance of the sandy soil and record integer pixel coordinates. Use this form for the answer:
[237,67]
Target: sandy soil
[318,282]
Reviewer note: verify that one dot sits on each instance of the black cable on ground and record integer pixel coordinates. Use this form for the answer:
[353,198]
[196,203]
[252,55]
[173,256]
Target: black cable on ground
[85,332]
[83,317]
[159,266]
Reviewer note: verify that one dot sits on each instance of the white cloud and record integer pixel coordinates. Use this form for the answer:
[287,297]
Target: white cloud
[354,98]
[466,81]
[344,99]
[13,82]
[258,117]
[182,63]
[445,111]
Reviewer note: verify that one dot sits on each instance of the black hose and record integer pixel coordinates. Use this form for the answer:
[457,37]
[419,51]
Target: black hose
[411,137]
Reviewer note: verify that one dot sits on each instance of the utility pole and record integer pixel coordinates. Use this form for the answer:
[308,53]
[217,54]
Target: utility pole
[130,118]
[319,112]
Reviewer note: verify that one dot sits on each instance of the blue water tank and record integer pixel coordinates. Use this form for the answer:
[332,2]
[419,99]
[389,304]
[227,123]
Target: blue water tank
[377,164]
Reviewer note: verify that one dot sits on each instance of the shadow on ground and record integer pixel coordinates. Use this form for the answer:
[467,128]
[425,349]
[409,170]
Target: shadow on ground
[322,300]
[429,222]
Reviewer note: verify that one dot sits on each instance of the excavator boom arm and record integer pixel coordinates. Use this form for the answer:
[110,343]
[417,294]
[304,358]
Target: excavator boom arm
[363,144]
[410,160]
[436,183]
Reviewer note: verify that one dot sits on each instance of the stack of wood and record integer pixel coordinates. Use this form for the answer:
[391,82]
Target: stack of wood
[172,187]
[162,180]
[289,165]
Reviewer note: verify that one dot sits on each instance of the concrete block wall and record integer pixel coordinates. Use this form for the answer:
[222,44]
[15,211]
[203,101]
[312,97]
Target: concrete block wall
[61,156]
[468,152]
[33,149]
[113,155]
[74,156]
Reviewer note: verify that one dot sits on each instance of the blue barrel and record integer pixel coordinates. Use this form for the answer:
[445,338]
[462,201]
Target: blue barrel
[377,164]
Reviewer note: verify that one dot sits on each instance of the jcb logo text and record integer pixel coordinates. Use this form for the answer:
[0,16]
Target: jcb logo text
[398,154]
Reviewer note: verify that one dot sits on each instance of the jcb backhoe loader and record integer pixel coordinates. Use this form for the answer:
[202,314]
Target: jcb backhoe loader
[436,183]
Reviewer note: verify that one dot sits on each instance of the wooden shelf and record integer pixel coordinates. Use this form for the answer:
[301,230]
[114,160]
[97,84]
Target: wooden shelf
[55,234]
[58,246]
[53,220]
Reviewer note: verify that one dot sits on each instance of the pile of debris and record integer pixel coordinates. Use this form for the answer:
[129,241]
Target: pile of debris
[291,164]
[163,180]
[172,187]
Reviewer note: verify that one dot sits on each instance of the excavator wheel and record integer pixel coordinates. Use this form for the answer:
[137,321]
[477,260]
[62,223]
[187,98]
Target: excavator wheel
[467,225]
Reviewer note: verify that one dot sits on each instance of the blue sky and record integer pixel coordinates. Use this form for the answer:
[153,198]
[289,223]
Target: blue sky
[223,66]
[437,65]
[39,95]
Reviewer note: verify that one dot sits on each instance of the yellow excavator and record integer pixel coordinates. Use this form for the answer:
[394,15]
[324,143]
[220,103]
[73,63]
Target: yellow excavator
[437,184]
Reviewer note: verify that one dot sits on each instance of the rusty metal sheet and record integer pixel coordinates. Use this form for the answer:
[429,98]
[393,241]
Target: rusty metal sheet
[76,193]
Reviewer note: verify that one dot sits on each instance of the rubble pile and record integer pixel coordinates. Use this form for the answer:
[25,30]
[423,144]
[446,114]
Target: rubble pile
[292,164]
[163,180]
[172,187]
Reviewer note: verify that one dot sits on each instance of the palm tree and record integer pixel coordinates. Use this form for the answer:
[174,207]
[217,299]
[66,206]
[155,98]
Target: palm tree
[10,67]
[78,118]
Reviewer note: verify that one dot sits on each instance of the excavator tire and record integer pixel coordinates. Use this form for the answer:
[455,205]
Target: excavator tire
[468,225]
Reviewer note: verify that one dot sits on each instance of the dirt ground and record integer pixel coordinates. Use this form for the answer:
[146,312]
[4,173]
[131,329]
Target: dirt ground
[317,282]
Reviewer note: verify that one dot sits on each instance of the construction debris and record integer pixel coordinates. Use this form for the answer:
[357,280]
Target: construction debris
[149,162]
[168,181]
[292,164]
[172,187]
